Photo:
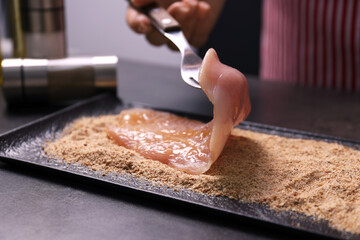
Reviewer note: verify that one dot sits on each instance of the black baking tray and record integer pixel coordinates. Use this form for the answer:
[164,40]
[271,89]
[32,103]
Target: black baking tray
[23,145]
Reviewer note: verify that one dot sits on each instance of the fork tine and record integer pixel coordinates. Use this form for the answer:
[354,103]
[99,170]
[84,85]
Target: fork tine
[192,82]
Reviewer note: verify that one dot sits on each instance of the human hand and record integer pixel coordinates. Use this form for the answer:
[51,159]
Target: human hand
[196,18]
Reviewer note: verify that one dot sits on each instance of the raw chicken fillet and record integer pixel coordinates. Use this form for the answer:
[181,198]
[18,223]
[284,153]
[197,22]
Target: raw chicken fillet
[185,144]
[179,142]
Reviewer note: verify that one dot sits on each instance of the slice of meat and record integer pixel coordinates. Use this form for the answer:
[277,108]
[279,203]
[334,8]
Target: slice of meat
[227,89]
[176,141]
[185,144]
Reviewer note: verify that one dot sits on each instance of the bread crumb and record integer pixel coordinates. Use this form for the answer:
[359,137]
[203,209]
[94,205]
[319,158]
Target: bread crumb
[312,177]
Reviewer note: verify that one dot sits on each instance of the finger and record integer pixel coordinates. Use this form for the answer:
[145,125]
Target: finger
[184,12]
[203,10]
[162,3]
[138,21]
[190,21]
[203,28]
[140,3]
[156,38]
[172,46]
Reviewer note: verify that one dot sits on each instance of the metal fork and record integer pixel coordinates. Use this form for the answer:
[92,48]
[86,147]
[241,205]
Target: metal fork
[170,28]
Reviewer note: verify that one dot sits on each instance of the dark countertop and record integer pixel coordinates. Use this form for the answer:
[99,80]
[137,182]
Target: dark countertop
[36,205]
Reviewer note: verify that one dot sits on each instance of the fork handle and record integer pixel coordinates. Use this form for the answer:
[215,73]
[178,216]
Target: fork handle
[159,17]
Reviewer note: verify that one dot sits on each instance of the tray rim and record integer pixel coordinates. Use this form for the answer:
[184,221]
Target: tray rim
[243,125]
[246,125]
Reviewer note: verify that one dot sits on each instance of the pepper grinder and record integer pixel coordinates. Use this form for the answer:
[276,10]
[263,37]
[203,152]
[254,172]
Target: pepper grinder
[57,81]
[38,70]
[43,28]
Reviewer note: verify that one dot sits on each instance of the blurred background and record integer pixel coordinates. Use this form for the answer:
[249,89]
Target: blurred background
[51,30]
[99,27]
[94,27]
